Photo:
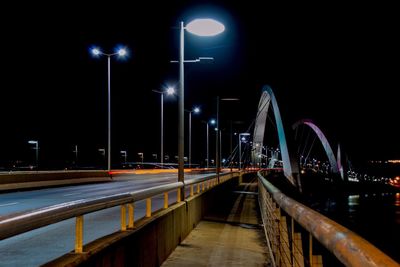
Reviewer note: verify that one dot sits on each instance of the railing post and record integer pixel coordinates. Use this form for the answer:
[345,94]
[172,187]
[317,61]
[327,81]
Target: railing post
[123,217]
[166,200]
[292,238]
[131,215]
[310,252]
[198,188]
[178,196]
[203,185]
[79,234]
[148,207]
[191,190]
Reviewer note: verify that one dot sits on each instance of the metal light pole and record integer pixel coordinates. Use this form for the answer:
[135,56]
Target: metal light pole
[217,163]
[201,27]
[122,52]
[76,155]
[190,139]
[208,149]
[124,154]
[141,156]
[240,149]
[194,110]
[36,143]
[169,91]
[181,108]
[212,122]
[162,132]
[219,154]
[240,153]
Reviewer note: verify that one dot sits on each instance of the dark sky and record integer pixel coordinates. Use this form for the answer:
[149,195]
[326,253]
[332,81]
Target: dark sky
[337,64]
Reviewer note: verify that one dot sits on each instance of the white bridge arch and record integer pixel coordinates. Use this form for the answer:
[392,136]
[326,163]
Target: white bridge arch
[290,165]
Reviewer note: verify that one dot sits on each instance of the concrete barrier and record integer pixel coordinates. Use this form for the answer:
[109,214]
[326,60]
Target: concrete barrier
[153,239]
[25,180]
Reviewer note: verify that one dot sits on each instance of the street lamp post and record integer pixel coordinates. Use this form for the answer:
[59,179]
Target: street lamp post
[201,27]
[240,148]
[36,143]
[194,110]
[142,157]
[121,52]
[76,155]
[124,154]
[212,122]
[169,91]
[218,139]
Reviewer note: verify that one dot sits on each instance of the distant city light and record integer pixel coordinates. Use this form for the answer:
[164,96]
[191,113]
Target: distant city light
[392,161]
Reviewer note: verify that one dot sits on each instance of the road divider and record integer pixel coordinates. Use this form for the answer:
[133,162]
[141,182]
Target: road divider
[26,180]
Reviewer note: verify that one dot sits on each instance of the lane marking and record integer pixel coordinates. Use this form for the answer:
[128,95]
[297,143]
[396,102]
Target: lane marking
[8,204]
[71,194]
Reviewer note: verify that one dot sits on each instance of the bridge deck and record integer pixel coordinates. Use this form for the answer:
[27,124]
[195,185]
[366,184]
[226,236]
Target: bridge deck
[230,235]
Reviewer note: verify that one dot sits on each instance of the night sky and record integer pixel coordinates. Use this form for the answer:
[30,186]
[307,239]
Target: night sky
[337,64]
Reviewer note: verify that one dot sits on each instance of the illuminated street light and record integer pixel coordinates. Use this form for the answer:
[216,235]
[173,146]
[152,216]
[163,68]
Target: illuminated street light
[205,27]
[124,154]
[201,27]
[36,143]
[169,91]
[194,110]
[212,122]
[120,53]
[76,155]
[240,147]
[141,156]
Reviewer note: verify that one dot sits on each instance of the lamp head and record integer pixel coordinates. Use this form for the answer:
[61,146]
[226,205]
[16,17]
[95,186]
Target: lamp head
[205,27]
[170,91]
[95,51]
[196,110]
[122,52]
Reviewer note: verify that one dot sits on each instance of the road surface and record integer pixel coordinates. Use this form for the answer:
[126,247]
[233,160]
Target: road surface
[42,245]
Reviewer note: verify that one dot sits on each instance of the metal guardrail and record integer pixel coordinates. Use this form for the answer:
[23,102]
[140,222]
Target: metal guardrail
[286,245]
[14,224]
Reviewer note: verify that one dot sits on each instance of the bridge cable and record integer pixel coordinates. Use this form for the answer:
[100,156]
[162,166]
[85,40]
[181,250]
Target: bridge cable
[306,143]
[315,137]
[301,138]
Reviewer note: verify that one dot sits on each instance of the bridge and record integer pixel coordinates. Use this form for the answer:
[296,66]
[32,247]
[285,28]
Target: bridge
[213,217]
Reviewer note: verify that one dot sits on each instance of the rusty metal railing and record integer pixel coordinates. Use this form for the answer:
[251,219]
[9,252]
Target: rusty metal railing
[14,224]
[289,224]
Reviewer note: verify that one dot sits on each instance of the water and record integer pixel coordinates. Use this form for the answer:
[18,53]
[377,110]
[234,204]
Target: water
[374,216]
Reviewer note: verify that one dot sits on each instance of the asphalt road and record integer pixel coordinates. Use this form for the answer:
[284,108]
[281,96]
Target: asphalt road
[42,245]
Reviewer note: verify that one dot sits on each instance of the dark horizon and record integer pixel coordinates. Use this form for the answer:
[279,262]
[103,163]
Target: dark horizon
[336,66]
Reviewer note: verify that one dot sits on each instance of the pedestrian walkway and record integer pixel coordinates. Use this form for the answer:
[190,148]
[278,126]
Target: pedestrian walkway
[230,235]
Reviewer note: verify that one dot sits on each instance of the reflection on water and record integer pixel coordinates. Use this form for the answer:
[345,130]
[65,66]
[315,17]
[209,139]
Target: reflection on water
[353,200]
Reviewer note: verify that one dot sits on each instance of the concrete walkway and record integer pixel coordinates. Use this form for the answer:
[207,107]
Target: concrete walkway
[231,235]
